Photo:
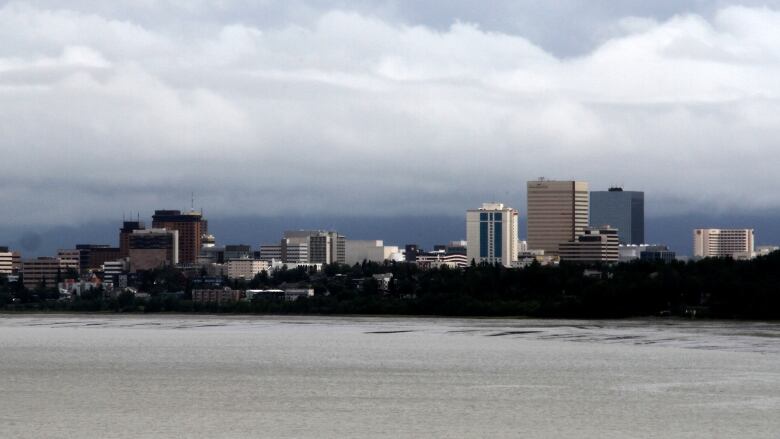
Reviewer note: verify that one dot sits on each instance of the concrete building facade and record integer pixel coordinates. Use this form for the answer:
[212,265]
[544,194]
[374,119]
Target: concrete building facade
[45,271]
[623,210]
[558,212]
[593,245]
[245,268]
[491,234]
[10,261]
[308,247]
[357,251]
[722,243]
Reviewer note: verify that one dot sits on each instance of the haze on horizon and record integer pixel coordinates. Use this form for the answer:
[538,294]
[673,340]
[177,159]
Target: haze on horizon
[382,107]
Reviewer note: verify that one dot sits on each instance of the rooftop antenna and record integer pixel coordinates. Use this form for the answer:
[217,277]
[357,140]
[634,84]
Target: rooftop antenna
[192,201]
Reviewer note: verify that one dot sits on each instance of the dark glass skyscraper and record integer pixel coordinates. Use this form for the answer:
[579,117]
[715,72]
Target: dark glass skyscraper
[623,210]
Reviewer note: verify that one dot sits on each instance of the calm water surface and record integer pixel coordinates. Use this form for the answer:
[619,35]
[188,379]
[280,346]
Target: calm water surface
[308,377]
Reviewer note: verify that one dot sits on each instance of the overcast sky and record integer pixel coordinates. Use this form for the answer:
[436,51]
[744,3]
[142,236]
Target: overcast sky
[382,107]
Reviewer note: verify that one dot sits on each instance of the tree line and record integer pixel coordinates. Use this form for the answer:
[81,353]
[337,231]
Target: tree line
[720,288]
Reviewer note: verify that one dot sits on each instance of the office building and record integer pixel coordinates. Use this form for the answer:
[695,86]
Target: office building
[321,247]
[153,248]
[92,256]
[271,252]
[722,243]
[491,234]
[657,253]
[457,248]
[245,268]
[239,251]
[71,258]
[557,213]
[593,245]
[10,261]
[623,210]
[294,252]
[191,227]
[411,251]
[46,271]
[124,236]
[358,251]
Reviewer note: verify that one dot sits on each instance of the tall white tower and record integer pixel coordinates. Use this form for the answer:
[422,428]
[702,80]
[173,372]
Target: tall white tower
[491,233]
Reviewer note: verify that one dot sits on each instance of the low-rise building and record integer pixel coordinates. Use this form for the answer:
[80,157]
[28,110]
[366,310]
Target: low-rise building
[594,245]
[45,271]
[245,268]
[358,251]
[218,295]
[655,253]
[438,259]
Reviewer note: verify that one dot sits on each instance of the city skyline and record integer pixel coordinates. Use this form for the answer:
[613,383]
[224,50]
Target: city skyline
[372,234]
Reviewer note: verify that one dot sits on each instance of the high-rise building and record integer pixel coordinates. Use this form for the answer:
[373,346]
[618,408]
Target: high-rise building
[124,236]
[153,248]
[557,213]
[598,244]
[10,261]
[191,227]
[491,234]
[722,243]
[623,210]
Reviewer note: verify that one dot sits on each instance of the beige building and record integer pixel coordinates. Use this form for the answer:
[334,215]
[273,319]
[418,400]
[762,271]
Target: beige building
[722,243]
[594,245]
[491,234]
[557,213]
[358,251]
[245,268]
[10,261]
[70,258]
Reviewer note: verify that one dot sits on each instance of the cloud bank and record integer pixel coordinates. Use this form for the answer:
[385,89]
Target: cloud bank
[339,110]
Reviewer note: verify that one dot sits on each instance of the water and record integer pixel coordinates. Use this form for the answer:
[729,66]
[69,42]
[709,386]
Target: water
[308,377]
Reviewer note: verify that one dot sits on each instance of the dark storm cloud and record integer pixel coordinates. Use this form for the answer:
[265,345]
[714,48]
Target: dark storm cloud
[381,107]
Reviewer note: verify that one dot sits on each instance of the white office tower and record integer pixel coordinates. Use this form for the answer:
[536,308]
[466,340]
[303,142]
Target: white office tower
[722,243]
[491,233]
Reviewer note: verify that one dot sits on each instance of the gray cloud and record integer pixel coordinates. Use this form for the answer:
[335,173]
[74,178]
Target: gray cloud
[380,108]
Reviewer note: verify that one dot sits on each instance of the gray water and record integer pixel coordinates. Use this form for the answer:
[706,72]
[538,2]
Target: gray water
[308,377]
